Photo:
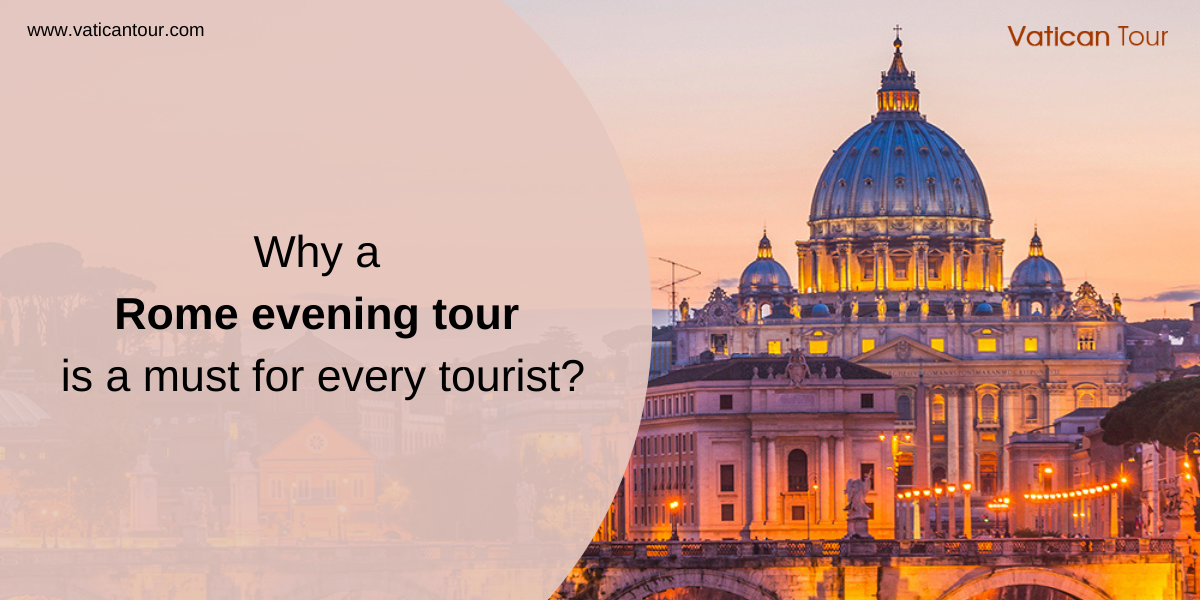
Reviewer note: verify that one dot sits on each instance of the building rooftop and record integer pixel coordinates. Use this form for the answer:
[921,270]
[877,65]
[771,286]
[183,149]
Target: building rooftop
[742,369]
[17,410]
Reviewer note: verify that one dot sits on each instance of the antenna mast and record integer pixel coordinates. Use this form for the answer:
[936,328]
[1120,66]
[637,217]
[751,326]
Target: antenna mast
[675,280]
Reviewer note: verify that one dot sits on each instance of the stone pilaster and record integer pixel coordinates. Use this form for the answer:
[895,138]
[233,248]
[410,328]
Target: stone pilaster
[953,426]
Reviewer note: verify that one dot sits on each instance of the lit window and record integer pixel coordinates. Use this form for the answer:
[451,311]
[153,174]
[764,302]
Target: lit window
[986,344]
[1031,344]
[988,437]
[1087,339]
[900,268]
[939,438]
[868,345]
[774,347]
[867,266]
[818,346]
[938,344]
[939,409]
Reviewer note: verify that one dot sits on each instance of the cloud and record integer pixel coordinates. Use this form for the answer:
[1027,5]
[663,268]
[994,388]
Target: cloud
[1179,294]
[728,282]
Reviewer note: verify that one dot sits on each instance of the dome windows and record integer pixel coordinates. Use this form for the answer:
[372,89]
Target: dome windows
[899,151]
[899,181]
[923,151]
[868,182]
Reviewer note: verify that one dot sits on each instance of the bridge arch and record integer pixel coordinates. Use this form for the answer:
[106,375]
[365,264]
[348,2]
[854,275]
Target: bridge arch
[11,587]
[325,585]
[644,587]
[1011,576]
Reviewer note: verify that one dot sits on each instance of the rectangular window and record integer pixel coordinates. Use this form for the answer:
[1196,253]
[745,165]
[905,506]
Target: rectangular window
[867,265]
[719,343]
[988,437]
[985,344]
[726,401]
[276,488]
[727,478]
[303,491]
[359,489]
[867,401]
[1087,339]
[904,475]
[798,513]
[774,347]
[935,267]
[939,438]
[330,487]
[726,512]
[818,346]
[867,471]
[868,345]
[1031,344]
[871,510]
[900,268]
[938,344]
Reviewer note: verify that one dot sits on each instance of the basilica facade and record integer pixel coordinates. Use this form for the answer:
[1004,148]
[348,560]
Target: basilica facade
[901,275]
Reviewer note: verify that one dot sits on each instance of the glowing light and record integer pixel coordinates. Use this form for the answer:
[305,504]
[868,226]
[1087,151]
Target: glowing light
[1048,470]
[967,486]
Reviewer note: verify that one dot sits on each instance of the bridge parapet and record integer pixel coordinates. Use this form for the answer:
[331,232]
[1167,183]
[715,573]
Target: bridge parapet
[975,549]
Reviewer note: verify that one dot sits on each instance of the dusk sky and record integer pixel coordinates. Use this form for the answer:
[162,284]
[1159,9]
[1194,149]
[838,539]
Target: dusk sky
[724,114]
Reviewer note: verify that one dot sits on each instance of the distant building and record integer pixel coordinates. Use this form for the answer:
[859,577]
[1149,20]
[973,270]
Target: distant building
[317,482]
[747,452]
[1067,480]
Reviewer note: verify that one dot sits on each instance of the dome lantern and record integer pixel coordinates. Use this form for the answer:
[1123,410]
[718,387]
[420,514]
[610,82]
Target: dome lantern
[898,90]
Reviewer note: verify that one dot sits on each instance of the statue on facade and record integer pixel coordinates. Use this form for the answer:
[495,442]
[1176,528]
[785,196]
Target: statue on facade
[854,308]
[197,505]
[881,306]
[1117,304]
[966,302]
[903,304]
[797,368]
[683,310]
[526,501]
[1006,307]
[924,305]
[857,511]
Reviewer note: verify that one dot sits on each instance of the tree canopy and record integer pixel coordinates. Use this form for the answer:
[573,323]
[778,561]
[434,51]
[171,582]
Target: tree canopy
[1164,412]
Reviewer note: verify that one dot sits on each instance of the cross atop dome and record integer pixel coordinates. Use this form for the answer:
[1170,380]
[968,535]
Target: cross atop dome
[898,92]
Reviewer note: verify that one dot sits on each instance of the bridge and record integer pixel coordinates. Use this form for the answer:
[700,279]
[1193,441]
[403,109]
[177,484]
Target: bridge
[1084,569]
[397,571]
[1095,569]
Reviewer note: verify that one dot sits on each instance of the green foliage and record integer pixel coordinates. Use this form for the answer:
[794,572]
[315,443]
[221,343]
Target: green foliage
[1163,412]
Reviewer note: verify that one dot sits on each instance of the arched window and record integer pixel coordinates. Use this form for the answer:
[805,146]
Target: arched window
[1031,408]
[988,472]
[939,474]
[904,407]
[764,311]
[939,408]
[1037,308]
[797,471]
[1086,400]
[987,409]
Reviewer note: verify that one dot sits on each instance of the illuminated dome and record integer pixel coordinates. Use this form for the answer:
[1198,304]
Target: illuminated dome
[899,175]
[1036,272]
[764,275]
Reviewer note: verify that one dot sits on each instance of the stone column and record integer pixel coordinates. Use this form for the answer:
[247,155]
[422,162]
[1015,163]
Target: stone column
[968,433]
[845,253]
[243,496]
[1010,407]
[756,481]
[143,496]
[921,258]
[839,452]
[803,256]
[882,266]
[772,482]
[953,393]
[956,272]
[820,259]
[921,459]
[825,480]
[998,266]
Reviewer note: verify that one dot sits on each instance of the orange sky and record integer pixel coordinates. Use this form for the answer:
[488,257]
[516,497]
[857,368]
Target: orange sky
[725,113]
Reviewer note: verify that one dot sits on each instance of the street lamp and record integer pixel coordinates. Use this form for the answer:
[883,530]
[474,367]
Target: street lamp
[937,511]
[966,487]
[674,505]
[341,524]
